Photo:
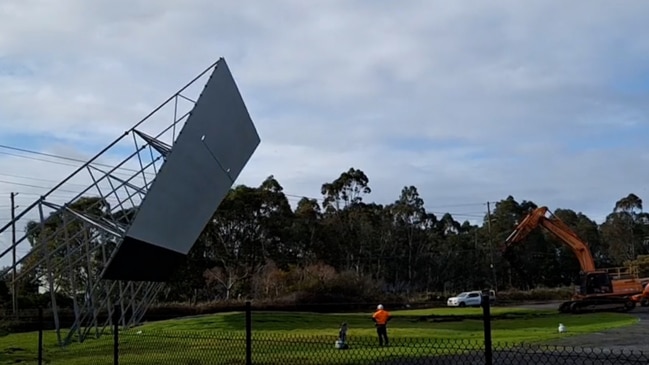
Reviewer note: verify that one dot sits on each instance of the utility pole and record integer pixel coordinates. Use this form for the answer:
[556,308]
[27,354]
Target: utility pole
[491,246]
[14,285]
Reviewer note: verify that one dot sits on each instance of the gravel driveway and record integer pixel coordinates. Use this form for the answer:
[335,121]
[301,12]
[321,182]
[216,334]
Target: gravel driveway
[622,346]
[540,358]
[631,338]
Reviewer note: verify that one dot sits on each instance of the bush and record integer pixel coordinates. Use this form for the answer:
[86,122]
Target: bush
[4,328]
[538,294]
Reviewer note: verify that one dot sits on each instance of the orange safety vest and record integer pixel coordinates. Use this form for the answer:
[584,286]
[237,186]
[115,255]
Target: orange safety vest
[381,316]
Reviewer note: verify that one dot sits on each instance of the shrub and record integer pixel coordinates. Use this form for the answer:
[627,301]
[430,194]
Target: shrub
[537,294]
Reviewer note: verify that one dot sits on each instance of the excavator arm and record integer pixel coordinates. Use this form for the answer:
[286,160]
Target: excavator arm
[538,217]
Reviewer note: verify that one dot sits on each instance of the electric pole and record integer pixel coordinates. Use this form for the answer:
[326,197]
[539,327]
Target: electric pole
[14,285]
[491,246]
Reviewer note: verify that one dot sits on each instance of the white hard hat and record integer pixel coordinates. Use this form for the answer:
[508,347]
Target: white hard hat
[380,306]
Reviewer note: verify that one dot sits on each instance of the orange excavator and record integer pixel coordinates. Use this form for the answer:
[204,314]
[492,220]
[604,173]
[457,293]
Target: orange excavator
[598,289]
[642,298]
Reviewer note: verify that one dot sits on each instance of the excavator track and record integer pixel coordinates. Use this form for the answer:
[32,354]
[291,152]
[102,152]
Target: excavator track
[616,304]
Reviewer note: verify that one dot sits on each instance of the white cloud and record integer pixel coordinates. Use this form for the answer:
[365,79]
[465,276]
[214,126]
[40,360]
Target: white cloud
[468,101]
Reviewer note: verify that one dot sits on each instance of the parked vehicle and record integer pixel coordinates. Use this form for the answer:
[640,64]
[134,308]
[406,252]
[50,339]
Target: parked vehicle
[470,299]
[492,296]
[465,299]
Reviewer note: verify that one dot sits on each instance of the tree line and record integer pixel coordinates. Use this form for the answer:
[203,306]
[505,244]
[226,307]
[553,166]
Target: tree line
[345,247]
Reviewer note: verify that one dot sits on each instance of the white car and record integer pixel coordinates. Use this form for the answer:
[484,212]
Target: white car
[465,299]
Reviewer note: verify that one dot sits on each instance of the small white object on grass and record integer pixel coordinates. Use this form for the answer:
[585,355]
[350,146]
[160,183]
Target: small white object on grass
[562,328]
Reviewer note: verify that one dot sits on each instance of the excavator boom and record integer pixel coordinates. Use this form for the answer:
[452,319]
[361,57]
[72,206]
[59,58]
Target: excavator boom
[598,288]
[554,225]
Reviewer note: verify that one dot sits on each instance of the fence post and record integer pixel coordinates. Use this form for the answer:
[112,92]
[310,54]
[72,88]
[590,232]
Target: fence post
[41,323]
[116,316]
[486,319]
[248,333]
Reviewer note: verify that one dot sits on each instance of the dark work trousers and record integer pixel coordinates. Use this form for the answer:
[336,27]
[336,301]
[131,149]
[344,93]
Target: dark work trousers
[382,331]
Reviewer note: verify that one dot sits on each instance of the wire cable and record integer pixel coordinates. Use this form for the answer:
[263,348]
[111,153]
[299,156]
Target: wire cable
[72,159]
[66,158]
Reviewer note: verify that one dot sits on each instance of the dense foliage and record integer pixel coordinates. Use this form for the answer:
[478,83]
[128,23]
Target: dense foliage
[347,248]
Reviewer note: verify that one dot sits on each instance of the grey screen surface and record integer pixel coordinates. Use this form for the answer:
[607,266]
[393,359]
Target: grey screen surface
[191,183]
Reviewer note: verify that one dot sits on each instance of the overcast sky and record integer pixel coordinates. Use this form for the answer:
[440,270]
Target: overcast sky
[468,101]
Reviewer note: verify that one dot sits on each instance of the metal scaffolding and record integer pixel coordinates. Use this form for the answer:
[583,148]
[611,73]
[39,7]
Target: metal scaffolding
[69,243]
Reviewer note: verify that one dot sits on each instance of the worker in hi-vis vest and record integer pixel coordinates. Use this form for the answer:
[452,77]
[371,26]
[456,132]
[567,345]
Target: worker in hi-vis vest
[381,318]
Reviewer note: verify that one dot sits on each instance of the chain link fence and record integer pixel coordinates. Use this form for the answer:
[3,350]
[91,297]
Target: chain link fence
[142,346]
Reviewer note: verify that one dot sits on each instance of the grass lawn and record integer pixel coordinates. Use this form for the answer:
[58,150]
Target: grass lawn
[307,338]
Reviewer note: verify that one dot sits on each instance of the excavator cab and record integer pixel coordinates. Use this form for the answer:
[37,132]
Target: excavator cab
[597,282]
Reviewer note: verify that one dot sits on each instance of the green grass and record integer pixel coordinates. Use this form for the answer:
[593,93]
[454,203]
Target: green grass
[307,338]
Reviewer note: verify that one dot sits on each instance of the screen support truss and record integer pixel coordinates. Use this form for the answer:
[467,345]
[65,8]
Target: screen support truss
[69,242]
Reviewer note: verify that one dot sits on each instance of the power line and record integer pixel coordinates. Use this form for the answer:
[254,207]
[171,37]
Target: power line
[290,197]
[37,159]
[63,195]
[41,153]
[34,186]
[67,158]
[39,179]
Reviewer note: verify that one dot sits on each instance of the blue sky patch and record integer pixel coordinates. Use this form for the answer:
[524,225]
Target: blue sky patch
[14,68]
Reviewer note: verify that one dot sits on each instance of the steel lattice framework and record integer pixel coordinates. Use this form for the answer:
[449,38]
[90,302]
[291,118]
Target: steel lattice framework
[69,243]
